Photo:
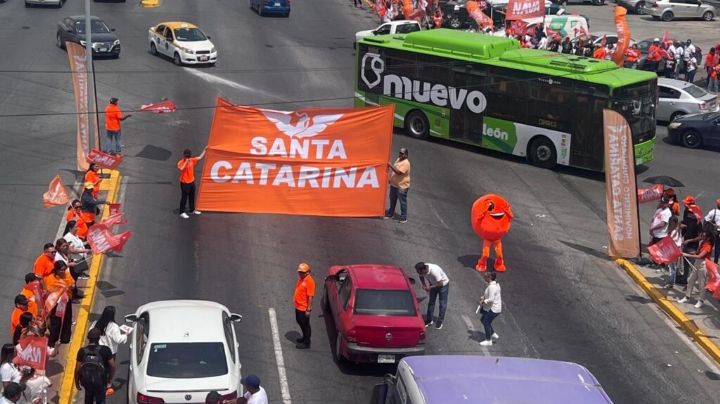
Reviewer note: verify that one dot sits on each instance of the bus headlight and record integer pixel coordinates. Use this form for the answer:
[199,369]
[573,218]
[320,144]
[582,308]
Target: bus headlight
[674,125]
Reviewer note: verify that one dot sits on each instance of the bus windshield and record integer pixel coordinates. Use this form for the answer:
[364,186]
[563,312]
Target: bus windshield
[636,102]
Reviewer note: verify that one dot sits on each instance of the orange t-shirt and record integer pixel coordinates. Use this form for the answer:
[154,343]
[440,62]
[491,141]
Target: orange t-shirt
[112,117]
[187,169]
[53,283]
[304,289]
[32,304]
[92,176]
[82,228]
[44,266]
[15,319]
[705,247]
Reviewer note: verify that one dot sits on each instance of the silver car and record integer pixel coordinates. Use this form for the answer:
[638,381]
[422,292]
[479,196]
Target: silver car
[676,98]
[633,6]
[668,10]
[54,3]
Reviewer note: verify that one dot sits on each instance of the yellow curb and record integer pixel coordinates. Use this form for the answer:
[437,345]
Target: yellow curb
[672,310]
[150,3]
[77,340]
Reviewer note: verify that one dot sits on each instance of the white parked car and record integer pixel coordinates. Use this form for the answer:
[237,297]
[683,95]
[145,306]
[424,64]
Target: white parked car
[182,349]
[393,27]
[183,42]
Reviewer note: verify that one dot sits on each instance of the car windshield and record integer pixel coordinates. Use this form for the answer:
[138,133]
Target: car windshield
[98,27]
[384,302]
[407,28]
[189,35]
[187,360]
[695,91]
[636,102]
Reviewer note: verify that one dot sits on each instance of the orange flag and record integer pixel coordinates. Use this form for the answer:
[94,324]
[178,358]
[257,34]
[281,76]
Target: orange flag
[623,33]
[56,194]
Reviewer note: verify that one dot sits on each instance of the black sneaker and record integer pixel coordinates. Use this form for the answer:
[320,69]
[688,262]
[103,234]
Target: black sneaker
[299,340]
[403,220]
[302,346]
[428,323]
[438,325]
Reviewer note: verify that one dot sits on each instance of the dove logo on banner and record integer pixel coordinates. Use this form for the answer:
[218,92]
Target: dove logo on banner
[329,162]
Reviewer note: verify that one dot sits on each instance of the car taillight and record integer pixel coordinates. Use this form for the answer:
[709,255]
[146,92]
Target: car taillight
[143,399]
[702,105]
[351,335]
[231,396]
[422,337]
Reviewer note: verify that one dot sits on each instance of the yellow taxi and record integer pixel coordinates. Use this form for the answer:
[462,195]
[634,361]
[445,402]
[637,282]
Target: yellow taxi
[183,42]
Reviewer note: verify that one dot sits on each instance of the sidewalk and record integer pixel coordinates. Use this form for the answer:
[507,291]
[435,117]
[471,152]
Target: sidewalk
[702,324]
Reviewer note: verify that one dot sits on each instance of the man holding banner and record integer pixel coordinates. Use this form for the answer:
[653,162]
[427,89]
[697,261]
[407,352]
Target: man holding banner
[187,182]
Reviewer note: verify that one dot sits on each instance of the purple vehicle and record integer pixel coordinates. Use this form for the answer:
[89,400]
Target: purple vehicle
[449,379]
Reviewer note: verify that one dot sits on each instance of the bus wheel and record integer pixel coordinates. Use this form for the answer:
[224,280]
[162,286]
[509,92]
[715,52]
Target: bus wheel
[417,125]
[541,153]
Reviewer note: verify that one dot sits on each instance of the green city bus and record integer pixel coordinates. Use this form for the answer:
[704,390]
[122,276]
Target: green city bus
[487,91]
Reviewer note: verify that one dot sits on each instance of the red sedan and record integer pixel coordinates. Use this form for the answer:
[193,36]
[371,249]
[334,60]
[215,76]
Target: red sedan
[376,313]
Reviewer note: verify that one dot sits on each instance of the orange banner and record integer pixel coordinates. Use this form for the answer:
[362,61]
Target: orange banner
[475,12]
[519,9]
[322,162]
[56,194]
[76,54]
[623,34]
[620,187]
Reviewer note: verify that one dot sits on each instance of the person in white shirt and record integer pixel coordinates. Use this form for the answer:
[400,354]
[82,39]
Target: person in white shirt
[437,284]
[112,335]
[659,226]
[9,373]
[714,217]
[12,393]
[491,306]
[254,393]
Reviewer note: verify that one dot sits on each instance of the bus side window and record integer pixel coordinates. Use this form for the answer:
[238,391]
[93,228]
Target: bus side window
[401,63]
[550,105]
[508,98]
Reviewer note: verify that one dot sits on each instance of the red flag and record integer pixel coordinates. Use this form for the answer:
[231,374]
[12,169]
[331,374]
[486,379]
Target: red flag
[664,251]
[713,280]
[114,219]
[653,193]
[104,160]
[102,240]
[519,9]
[603,41]
[121,239]
[56,194]
[53,298]
[623,33]
[696,211]
[61,305]
[114,208]
[665,37]
[37,290]
[159,107]
[32,352]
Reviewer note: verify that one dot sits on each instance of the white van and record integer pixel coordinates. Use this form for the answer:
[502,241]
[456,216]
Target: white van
[565,25]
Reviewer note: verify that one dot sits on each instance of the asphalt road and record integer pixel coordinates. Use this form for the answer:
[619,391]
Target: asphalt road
[564,300]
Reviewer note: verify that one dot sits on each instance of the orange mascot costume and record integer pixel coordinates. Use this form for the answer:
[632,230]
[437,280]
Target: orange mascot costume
[491,218]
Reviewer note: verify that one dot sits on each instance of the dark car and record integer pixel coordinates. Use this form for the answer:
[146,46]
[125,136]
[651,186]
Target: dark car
[696,130]
[104,40]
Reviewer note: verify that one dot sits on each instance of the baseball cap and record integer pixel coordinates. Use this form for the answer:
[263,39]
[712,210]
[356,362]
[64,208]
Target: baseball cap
[12,390]
[303,267]
[250,381]
[89,185]
[31,277]
[113,99]
[689,200]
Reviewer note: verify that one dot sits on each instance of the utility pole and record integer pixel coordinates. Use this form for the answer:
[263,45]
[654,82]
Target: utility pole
[90,74]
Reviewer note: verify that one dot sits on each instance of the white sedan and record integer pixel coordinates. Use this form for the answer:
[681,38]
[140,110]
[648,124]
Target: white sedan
[183,42]
[182,349]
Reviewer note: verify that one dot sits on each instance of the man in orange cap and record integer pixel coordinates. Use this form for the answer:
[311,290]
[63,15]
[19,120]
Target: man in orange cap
[714,217]
[304,293]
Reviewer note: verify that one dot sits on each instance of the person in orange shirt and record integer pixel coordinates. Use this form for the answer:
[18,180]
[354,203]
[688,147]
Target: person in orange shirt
[91,175]
[21,306]
[113,117]
[187,181]
[58,284]
[302,299]
[28,292]
[44,263]
[599,52]
[74,214]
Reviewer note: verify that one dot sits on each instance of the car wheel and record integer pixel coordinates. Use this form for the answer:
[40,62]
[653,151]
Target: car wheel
[177,60]
[26,5]
[640,8]
[668,16]
[691,139]
[417,125]
[337,354]
[59,42]
[541,153]
[675,115]
[708,16]
[259,10]
[153,49]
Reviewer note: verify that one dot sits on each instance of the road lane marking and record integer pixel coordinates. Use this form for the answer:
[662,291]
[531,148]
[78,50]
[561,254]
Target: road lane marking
[77,339]
[284,387]
[469,325]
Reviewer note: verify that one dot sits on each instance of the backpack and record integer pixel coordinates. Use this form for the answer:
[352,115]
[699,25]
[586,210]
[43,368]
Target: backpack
[92,369]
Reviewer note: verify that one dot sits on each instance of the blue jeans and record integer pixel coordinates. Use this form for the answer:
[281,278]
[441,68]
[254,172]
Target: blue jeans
[115,137]
[443,292]
[673,272]
[395,194]
[690,76]
[487,318]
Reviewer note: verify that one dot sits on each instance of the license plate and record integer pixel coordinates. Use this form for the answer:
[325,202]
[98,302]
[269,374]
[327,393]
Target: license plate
[102,50]
[277,4]
[386,358]
[203,58]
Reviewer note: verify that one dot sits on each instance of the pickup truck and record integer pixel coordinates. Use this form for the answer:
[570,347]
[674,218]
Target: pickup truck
[390,28]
